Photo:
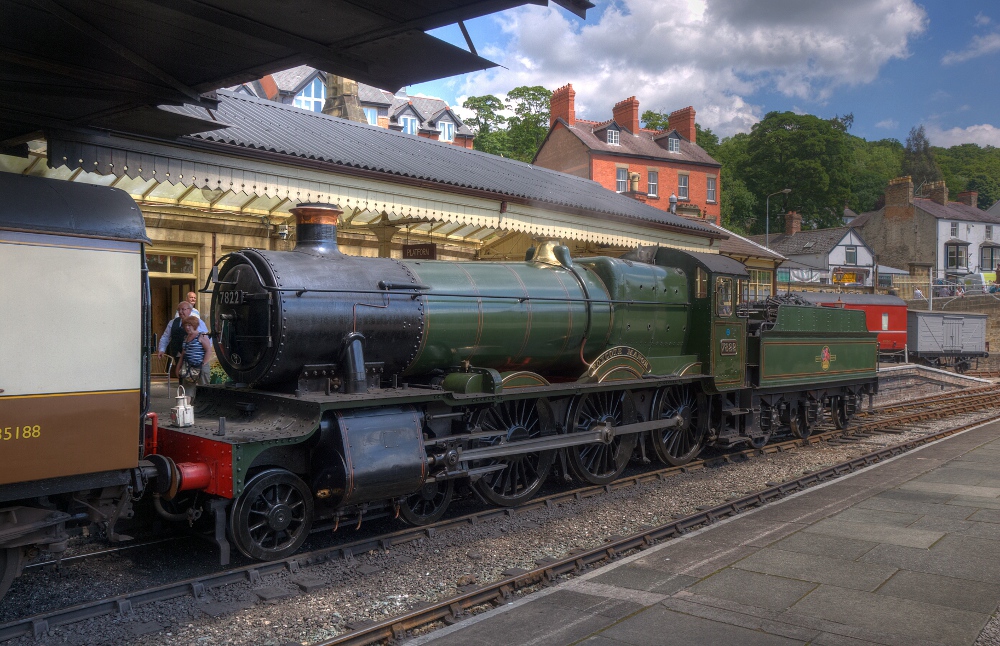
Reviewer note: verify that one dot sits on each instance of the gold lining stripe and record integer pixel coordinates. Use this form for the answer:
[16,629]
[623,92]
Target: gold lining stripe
[77,394]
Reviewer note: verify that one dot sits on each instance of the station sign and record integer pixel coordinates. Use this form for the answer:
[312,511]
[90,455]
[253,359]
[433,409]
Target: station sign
[420,251]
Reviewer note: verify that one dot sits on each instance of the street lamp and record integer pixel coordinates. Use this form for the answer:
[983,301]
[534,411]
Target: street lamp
[767,216]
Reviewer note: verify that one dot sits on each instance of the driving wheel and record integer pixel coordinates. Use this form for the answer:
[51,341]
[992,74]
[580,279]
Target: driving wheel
[838,411]
[427,504]
[601,462]
[678,445]
[272,517]
[798,422]
[524,474]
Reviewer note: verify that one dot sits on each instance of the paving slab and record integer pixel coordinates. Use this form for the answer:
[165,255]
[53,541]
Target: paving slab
[754,588]
[753,532]
[958,490]
[944,563]
[860,514]
[818,569]
[696,557]
[832,546]
[893,614]
[938,510]
[986,516]
[638,577]
[876,533]
[947,591]
[956,475]
[975,501]
[647,629]
[929,497]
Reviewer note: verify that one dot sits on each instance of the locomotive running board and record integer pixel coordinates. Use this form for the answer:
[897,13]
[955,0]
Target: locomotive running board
[603,433]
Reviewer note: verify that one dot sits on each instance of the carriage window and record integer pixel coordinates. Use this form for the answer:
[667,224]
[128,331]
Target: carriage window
[724,296]
[701,283]
[885,320]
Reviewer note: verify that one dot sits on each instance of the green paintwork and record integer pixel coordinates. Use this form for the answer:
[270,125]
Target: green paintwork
[549,337]
[728,368]
[816,345]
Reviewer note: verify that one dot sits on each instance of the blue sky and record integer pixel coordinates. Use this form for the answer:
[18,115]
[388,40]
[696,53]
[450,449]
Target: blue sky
[894,64]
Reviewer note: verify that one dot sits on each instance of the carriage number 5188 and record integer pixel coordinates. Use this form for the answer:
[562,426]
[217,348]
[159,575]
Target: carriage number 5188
[20,432]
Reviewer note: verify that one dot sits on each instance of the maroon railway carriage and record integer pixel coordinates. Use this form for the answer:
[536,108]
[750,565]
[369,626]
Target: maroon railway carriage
[885,315]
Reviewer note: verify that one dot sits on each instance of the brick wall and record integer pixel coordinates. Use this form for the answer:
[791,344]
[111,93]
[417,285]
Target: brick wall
[567,154]
[604,167]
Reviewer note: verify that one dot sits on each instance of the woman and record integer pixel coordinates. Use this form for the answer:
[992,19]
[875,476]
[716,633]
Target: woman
[194,350]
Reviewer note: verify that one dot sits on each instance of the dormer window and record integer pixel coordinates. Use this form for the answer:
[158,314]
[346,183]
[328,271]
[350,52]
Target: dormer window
[409,125]
[612,136]
[447,129]
[673,145]
[311,97]
[808,245]
[954,229]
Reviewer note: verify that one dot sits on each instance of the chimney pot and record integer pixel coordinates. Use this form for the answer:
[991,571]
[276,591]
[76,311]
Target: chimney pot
[316,227]
[683,122]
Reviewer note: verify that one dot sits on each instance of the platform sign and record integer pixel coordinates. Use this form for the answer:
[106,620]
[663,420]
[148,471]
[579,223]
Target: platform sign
[420,251]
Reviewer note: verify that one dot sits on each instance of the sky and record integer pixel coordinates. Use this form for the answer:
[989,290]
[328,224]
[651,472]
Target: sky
[894,64]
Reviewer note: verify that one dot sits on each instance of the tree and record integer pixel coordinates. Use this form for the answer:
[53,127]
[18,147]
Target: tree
[708,140]
[530,123]
[988,187]
[738,207]
[918,161]
[653,120]
[806,154]
[875,163]
[486,113]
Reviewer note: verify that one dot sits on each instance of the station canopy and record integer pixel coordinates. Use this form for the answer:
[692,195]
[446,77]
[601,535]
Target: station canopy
[108,64]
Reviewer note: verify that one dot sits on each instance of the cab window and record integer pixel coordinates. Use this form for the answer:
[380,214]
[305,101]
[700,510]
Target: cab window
[724,296]
[701,283]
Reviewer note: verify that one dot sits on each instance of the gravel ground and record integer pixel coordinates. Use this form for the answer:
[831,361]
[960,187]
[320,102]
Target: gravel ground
[383,583]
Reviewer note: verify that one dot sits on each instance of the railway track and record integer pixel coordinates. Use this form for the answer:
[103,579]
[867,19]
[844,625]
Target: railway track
[891,419]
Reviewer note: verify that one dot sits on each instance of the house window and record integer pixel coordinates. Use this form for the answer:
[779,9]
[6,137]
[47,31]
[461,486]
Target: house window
[311,97]
[958,256]
[612,136]
[371,114]
[447,129]
[653,183]
[621,180]
[682,187]
[674,145]
[409,125]
[989,231]
[988,258]
[162,265]
[758,287]
[954,229]
[710,190]
[850,255]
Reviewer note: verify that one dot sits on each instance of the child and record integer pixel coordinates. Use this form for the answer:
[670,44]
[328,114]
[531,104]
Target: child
[194,350]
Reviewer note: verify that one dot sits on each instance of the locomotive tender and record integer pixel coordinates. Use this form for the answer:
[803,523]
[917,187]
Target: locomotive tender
[365,387]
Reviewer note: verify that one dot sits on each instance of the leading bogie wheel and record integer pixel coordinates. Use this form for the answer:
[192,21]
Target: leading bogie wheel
[678,445]
[522,475]
[427,504]
[272,517]
[601,462]
[10,567]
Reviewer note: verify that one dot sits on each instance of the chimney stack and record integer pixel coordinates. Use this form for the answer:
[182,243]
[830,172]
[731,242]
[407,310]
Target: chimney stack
[793,223]
[316,227]
[683,122]
[626,114]
[938,192]
[342,99]
[562,105]
[969,197]
[899,199]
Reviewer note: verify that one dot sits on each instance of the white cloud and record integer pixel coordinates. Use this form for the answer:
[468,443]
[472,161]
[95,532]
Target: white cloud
[980,46]
[712,54]
[888,124]
[983,134]
[982,19]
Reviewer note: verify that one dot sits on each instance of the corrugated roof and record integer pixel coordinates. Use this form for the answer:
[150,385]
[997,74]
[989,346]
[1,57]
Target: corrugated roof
[643,144]
[286,130]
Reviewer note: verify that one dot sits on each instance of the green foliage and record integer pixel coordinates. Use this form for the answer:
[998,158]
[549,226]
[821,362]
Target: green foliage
[529,125]
[968,167]
[918,160]
[487,117]
[806,154]
[875,163]
[216,374]
[653,120]
[739,206]
[708,140]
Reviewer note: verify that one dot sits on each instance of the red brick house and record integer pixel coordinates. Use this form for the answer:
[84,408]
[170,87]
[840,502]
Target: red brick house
[617,152]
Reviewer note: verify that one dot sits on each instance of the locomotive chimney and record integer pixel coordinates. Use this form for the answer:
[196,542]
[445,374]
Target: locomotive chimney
[316,227]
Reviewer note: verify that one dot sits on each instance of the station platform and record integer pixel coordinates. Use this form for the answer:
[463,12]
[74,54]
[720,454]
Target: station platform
[906,552]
